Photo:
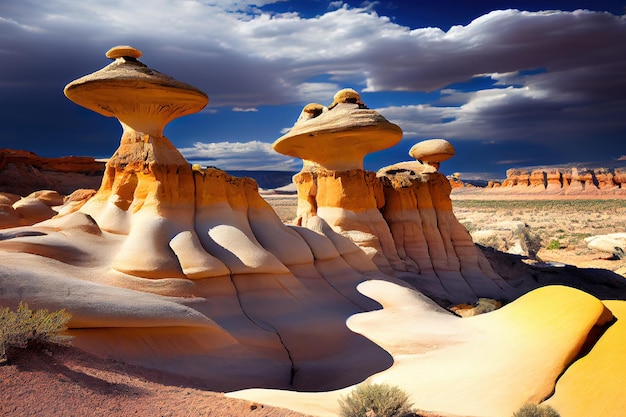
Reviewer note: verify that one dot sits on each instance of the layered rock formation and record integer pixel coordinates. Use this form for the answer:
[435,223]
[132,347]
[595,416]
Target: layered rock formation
[23,173]
[566,180]
[401,217]
[190,271]
[168,260]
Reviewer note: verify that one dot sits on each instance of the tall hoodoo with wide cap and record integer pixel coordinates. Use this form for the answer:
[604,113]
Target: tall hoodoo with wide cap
[148,190]
[333,186]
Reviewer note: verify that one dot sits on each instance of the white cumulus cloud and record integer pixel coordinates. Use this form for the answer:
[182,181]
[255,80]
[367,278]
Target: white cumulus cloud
[253,155]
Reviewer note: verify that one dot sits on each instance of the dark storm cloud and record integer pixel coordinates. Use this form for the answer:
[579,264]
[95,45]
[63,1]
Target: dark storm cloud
[246,58]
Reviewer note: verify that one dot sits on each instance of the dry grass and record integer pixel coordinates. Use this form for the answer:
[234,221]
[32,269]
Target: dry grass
[562,225]
[283,205]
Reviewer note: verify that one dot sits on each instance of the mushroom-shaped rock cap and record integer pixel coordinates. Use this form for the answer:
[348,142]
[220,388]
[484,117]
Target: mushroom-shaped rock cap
[123,51]
[138,96]
[433,150]
[338,137]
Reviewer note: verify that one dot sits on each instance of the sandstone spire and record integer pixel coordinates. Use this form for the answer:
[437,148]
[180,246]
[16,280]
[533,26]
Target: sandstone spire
[332,186]
[148,189]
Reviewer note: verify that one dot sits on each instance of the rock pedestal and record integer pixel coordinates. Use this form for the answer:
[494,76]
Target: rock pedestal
[400,217]
[147,191]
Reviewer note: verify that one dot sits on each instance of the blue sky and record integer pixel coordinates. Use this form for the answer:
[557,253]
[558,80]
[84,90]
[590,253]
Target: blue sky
[508,83]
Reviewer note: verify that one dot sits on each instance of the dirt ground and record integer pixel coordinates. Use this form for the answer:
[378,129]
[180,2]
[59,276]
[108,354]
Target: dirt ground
[560,225]
[67,382]
[58,381]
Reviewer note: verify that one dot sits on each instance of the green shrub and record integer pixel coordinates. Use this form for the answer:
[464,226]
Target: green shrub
[375,400]
[554,244]
[24,328]
[534,410]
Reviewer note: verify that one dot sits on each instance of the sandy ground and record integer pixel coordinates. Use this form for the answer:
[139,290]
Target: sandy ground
[65,381]
[561,225]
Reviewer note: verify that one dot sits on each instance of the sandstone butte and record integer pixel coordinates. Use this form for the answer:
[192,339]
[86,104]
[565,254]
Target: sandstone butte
[23,172]
[189,271]
[572,181]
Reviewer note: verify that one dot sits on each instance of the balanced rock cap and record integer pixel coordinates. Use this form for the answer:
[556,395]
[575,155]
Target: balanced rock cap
[432,150]
[132,92]
[338,137]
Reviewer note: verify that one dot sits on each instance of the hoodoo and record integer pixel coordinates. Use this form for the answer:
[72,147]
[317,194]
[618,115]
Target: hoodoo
[148,188]
[401,217]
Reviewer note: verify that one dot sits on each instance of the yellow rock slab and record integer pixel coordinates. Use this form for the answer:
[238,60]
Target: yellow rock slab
[487,365]
[594,385]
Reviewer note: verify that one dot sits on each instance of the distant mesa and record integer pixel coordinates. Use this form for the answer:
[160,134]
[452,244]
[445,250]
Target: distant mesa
[561,180]
[189,270]
[23,172]
[570,180]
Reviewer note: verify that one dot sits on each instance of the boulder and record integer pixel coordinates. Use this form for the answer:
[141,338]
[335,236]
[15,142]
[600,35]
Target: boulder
[614,243]
[432,152]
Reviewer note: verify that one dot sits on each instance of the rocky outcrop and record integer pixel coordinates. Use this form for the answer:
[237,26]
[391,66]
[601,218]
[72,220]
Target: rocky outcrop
[23,172]
[400,217]
[564,180]
[170,260]
[431,242]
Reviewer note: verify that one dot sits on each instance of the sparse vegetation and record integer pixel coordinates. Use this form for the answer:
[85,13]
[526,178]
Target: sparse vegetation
[27,328]
[534,410]
[554,244]
[567,221]
[375,400]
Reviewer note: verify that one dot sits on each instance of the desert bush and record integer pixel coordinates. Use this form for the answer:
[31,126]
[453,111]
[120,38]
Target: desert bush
[554,244]
[534,410]
[25,327]
[375,400]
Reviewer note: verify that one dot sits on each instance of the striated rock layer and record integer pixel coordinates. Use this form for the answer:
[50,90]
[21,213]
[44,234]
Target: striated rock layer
[565,180]
[23,173]
[402,218]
